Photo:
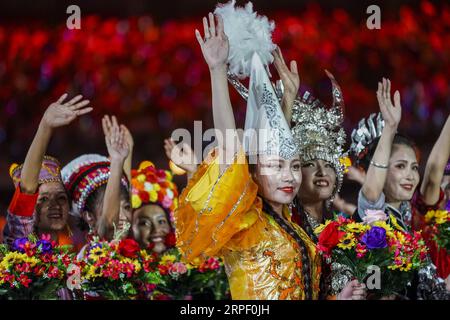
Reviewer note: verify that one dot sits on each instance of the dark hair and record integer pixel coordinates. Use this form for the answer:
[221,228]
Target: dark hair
[366,155]
[95,199]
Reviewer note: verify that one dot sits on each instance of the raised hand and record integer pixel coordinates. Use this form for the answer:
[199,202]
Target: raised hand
[59,114]
[392,113]
[116,144]
[215,46]
[289,76]
[356,175]
[128,137]
[181,154]
[108,122]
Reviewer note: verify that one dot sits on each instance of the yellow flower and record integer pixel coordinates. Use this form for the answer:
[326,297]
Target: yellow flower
[384,225]
[93,272]
[153,195]
[196,262]
[12,258]
[32,261]
[156,187]
[400,237]
[136,202]
[137,266]
[441,216]
[144,254]
[97,253]
[406,267]
[429,216]
[395,223]
[141,178]
[168,258]
[390,234]
[356,227]
[189,266]
[346,162]
[168,175]
[347,242]
[393,267]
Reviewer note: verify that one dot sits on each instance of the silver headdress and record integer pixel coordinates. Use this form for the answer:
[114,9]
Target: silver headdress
[318,130]
[264,118]
[368,130]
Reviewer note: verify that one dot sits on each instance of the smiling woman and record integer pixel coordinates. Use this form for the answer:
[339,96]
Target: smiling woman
[40,203]
[391,161]
[154,199]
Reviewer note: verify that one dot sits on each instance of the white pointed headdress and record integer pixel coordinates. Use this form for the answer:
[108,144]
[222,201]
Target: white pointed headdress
[264,119]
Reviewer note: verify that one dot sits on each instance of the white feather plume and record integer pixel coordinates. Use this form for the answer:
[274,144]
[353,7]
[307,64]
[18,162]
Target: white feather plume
[247,33]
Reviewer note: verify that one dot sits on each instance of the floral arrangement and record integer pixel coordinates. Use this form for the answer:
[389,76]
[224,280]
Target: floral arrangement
[373,243]
[185,281]
[438,222]
[152,185]
[119,270]
[33,268]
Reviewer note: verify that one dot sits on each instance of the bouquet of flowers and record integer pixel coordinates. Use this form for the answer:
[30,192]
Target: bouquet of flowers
[33,268]
[184,281]
[119,270]
[362,247]
[438,222]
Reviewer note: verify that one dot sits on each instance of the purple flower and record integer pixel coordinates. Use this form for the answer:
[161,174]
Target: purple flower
[19,244]
[375,238]
[45,246]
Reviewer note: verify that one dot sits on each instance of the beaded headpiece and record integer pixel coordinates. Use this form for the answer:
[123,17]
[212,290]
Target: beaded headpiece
[367,132]
[151,185]
[50,171]
[84,175]
[318,130]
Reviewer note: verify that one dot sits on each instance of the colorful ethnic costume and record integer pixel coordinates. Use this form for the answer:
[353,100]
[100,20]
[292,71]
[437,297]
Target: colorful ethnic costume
[409,217]
[21,212]
[221,214]
[82,177]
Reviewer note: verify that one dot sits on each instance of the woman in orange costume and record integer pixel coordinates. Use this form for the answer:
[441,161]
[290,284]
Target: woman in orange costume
[240,211]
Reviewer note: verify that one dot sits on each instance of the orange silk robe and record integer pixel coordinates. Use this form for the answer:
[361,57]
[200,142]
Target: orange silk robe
[221,215]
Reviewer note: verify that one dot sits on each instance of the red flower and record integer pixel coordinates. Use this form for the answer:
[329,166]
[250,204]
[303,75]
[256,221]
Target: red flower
[171,239]
[163,270]
[128,248]
[329,237]
[24,280]
[145,196]
[53,272]
[150,246]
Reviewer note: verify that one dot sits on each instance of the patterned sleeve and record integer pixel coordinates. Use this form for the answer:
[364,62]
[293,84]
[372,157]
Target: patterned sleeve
[215,207]
[20,216]
[364,204]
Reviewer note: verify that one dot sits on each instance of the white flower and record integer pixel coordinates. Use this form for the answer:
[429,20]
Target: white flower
[148,186]
[373,216]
